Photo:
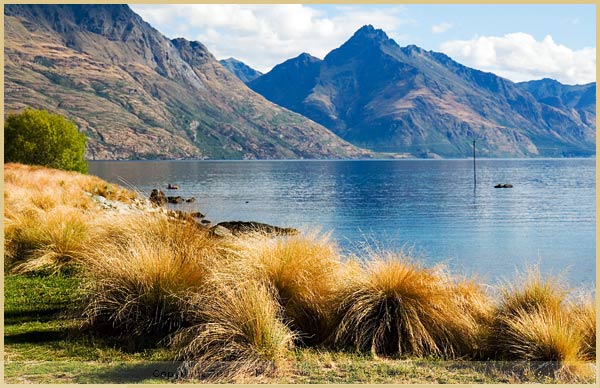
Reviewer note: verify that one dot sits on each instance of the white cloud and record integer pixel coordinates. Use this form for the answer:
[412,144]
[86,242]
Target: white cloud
[265,35]
[520,57]
[442,27]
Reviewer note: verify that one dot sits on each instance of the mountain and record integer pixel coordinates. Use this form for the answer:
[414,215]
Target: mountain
[138,95]
[240,69]
[579,98]
[381,96]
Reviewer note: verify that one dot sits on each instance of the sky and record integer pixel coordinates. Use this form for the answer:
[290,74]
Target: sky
[516,41]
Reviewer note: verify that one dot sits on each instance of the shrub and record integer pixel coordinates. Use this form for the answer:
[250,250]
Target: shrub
[41,138]
[238,332]
[398,307]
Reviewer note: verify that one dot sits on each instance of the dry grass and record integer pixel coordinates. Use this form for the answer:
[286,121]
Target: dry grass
[547,339]
[49,219]
[137,281]
[47,241]
[46,188]
[583,313]
[303,270]
[397,307]
[534,322]
[238,334]
[529,292]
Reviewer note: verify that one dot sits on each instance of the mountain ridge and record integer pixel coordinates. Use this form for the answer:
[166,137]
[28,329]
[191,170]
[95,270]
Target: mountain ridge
[388,98]
[139,95]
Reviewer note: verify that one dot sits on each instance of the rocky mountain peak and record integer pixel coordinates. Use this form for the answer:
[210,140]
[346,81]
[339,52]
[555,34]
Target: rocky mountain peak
[193,52]
[238,68]
[368,32]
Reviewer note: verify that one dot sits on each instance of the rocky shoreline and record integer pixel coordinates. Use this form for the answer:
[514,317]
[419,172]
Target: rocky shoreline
[157,201]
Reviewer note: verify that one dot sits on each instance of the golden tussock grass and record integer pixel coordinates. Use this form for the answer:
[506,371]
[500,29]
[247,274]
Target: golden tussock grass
[529,292]
[546,338]
[583,312]
[534,322]
[137,282]
[47,241]
[50,218]
[397,307]
[238,332]
[303,270]
[45,188]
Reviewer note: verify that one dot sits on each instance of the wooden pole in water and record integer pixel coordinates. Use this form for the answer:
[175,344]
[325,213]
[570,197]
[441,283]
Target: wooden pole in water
[474,168]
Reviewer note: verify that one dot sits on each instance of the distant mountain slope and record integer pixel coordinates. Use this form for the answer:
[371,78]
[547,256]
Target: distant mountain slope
[379,95]
[240,69]
[137,94]
[580,98]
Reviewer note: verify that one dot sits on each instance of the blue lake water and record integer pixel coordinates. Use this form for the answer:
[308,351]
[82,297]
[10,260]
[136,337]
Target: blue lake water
[429,206]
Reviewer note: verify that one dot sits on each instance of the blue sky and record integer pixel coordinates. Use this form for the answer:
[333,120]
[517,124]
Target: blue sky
[519,42]
[571,25]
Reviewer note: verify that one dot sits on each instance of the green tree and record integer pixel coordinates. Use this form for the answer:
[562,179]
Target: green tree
[42,138]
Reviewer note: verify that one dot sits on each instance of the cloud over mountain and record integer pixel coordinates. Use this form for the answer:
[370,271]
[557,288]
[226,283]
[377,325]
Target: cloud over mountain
[520,57]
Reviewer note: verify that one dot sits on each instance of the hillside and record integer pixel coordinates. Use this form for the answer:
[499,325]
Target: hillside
[580,99]
[138,95]
[384,97]
[238,68]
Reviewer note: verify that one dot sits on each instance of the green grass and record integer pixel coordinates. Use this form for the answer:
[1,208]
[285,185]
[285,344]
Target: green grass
[44,344]
[43,341]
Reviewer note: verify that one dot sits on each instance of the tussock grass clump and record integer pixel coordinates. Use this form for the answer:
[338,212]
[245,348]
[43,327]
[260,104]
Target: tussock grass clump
[395,306]
[533,322]
[529,292]
[583,314]
[47,241]
[239,332]
[546,338]
[526,294]
[137,282]
[50,219]
[304,271]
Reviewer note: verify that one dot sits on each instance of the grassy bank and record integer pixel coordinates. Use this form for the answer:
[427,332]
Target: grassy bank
[103,287]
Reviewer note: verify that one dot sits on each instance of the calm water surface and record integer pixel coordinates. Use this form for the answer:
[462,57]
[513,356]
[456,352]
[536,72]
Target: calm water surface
[429,206]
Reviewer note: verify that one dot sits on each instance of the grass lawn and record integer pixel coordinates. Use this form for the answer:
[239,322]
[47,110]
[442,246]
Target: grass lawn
[44,343]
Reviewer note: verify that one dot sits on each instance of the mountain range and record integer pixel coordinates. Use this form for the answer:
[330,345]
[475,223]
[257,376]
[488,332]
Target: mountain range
[139,95]
[378,95]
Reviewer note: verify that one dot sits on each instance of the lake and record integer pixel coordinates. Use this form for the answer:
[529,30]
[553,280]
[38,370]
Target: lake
[427,206]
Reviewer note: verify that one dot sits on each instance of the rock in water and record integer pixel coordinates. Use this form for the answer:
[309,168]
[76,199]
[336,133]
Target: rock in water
[241,227]
[157,197]
[175,200]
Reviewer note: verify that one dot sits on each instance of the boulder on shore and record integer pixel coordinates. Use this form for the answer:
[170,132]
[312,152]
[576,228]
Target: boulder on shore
[157,197]
[242,227]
